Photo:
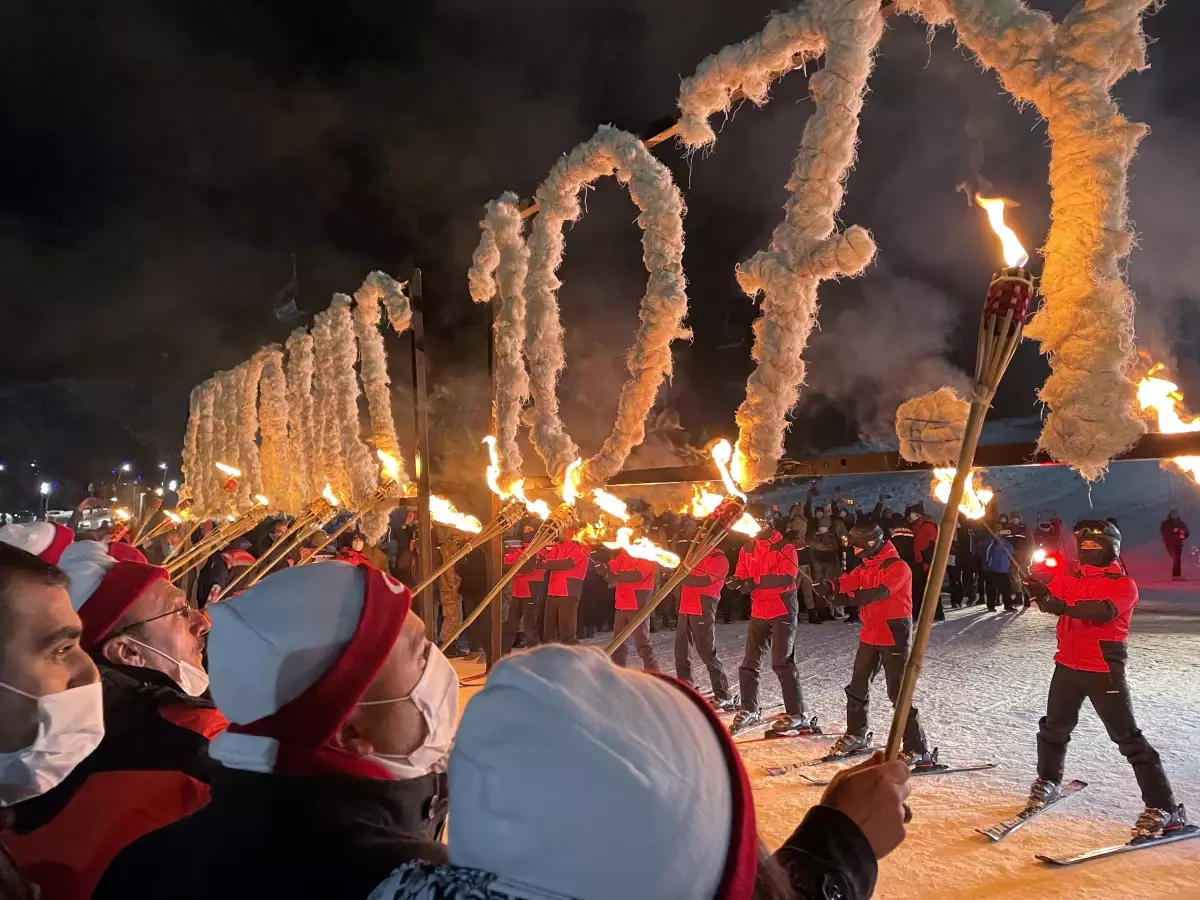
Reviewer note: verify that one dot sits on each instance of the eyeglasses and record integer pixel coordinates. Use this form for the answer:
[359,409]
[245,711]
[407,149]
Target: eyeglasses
[185,611]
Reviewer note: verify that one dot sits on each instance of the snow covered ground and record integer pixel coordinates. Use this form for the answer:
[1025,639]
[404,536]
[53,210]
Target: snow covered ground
[982,692]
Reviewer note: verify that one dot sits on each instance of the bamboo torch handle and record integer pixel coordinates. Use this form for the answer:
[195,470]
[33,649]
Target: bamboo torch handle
[937,571]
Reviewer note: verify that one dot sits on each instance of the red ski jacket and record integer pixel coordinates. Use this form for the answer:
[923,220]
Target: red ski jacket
[706,580]
[522,584]
[567,563]
[1094,607]
[882,587]
[773,561]
[925,534]
[640,575]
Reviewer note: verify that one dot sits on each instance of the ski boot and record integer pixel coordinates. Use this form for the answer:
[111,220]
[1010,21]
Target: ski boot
[793,726]
[721,706]
[744,721]
[848,744]
[920,761]
[1043,791]
[1155,823]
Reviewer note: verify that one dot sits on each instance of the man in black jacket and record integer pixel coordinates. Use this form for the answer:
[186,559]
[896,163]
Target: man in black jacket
[333,767]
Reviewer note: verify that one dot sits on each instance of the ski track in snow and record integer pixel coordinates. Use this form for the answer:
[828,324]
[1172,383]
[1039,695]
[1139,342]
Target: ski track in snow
[982,691]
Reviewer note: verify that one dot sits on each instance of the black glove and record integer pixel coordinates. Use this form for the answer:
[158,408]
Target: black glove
[824,590]
[741,585]
[1037,590]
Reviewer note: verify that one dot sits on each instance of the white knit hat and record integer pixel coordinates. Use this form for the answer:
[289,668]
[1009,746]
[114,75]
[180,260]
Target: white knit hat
[580,778]
[45,540]
[289,659]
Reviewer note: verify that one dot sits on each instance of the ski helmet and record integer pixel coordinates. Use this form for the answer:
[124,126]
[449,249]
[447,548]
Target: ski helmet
[1099,542]
[867,539]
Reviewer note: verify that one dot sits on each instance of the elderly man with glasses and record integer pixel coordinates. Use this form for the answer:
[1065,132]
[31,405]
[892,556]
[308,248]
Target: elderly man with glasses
[152,767]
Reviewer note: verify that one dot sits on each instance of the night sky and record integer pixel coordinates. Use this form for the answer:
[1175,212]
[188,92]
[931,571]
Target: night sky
[163,162]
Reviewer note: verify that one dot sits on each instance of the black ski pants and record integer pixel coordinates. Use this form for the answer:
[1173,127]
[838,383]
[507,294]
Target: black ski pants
[867,663]
[700,631]
[1176,552]
[962,586]
[1109,695]
[919,579]
[997,588]
[562,619]
[641,639]
[778,635]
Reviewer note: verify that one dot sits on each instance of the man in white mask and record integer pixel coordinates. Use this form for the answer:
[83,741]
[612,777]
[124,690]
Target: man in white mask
[152,766]
[51,716]
[333,768]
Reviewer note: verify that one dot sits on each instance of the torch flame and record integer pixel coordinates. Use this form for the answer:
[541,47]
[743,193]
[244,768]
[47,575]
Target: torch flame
[122,514]
[1162,396]
[539,508]
[444,512]
[570,488]
[174,517]
[722,453]
[262,500]
[643,548]
[328,494]
[229,470]
[493,467]
[747,525]
[591,533]
[1014,253]
[975,497]
[614,506]
[391,465]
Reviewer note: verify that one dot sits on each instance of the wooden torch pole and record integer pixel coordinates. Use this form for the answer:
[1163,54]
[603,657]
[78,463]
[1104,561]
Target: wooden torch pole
[1000,329]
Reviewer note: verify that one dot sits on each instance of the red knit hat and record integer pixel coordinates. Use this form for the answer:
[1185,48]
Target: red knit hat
[103,588]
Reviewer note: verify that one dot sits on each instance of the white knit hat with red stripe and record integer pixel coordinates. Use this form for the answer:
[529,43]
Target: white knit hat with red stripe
[45,540]
[290,658]
[590,781]
[103,587]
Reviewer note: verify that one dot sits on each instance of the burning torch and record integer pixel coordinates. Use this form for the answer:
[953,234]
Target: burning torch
[1000,329]
[726,514]
[318,513]
[229,530]
[552,530]
[171,520]
[175,558]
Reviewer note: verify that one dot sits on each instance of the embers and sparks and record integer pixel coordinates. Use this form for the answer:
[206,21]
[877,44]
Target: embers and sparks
[975,496]
[329,495]
[445,513]
[1163,398]
[643,548]
[1014,253]
[391,465]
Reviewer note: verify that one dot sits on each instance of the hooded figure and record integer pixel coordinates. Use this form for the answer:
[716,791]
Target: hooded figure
[557,750]
[332,769]
[152,766]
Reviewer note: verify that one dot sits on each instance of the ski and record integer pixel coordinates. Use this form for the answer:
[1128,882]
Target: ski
[828,759]
[925,770]
[1183,834]
[1002,830]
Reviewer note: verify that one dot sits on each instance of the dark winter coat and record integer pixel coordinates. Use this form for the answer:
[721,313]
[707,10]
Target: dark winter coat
[219,572]
[826,858]
[151,769]
[996,555]
[299,837]
[1174,533]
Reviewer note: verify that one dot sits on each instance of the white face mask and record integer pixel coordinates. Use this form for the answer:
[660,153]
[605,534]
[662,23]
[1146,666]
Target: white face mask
[193,680]
[436,696]
[70,727]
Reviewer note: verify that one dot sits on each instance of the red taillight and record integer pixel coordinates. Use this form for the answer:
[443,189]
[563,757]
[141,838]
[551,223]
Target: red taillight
[1051,562]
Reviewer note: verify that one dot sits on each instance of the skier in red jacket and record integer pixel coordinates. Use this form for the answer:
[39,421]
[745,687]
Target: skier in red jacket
[882,588]
[1094,607]
[697,616]
[767,569]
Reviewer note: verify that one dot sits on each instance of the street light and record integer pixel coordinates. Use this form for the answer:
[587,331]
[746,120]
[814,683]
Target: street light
[44,490]
[163,466]
[172,485]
